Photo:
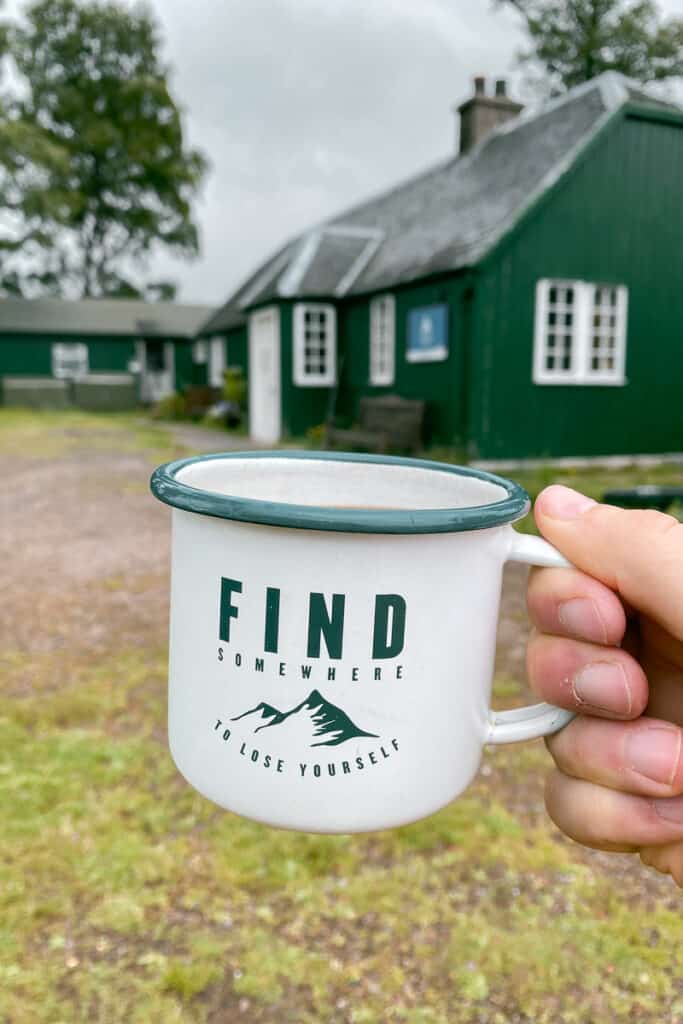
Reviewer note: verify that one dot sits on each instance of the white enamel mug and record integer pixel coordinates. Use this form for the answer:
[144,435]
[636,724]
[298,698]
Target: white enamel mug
[333,631]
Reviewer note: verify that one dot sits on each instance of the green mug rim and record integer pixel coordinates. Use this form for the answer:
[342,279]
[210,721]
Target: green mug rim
[166,487]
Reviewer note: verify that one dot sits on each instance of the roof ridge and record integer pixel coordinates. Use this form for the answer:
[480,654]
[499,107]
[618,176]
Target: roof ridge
[614,88]
[95,300]
[606,89]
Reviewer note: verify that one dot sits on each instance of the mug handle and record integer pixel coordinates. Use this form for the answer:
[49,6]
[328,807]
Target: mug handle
[537,719]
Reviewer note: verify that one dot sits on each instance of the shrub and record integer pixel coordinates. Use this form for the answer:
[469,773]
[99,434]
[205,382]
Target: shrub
[316,435]
[235,386]
[172,407]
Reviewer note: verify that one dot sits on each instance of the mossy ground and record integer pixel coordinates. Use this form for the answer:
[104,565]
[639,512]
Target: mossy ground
[126,897]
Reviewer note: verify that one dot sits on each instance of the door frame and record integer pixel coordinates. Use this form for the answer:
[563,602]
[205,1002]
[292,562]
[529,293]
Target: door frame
[149,390]
[270,312]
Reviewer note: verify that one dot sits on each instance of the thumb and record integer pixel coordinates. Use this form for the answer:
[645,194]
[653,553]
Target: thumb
[638,553]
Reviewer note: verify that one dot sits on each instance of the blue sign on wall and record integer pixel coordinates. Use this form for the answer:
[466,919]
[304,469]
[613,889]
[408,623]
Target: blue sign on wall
[427,334]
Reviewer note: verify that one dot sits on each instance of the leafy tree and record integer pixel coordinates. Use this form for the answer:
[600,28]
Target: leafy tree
[95,170]
[160,291]
[574,40]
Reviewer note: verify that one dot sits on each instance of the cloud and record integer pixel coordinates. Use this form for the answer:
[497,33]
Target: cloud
[306,107]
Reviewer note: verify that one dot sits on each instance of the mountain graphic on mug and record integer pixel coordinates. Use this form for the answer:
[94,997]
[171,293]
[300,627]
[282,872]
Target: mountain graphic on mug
[314,721]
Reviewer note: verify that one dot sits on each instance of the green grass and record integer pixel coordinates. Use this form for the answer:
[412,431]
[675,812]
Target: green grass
[45,434]
[593,481]
[126,897]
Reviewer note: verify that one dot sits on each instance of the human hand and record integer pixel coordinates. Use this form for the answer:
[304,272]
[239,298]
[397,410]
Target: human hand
[608,643]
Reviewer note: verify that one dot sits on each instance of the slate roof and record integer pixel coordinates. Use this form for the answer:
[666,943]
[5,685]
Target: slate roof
[93,317]
[443,219]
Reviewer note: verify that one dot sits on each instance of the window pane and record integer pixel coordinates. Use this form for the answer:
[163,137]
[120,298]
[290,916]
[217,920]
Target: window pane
[558,340]
[381,341]
[607,332]
[313,358]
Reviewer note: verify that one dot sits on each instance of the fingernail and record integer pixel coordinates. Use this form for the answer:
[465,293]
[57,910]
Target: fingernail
[670,810]
[560,502]
[604,686]
[581,617]
[654,751]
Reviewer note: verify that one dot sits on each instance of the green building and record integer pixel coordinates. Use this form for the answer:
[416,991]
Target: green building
[106,352]
[528,288]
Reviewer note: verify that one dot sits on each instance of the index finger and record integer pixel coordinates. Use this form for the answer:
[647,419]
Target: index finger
[636,552]
[569,603]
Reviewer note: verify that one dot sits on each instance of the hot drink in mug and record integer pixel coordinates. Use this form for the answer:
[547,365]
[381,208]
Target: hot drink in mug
[333,627]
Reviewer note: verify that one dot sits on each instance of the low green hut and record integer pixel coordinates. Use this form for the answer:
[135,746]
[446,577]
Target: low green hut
[527,288]
[104,353]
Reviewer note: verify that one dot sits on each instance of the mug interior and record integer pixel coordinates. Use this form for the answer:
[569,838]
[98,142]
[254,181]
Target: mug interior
[338,484]
[337,491]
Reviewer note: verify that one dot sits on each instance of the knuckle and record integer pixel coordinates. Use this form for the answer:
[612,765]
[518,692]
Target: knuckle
[634,522]
[651,521]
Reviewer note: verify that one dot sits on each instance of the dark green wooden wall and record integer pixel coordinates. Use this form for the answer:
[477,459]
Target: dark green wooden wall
[25,355]
[441,384]
[188,374]
[29,356]
[617,218]
[237,348]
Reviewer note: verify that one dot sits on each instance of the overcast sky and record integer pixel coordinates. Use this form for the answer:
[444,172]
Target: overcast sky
[306,106]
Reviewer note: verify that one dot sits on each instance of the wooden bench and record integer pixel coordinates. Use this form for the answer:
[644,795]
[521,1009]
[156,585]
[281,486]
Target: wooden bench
[645,496]
[385,423]
[198,400]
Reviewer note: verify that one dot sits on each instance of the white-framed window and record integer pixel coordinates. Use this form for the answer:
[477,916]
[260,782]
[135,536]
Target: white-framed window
[200,351]
[580,332]
[69,360]
[382,340]
[315,344]
[217,361]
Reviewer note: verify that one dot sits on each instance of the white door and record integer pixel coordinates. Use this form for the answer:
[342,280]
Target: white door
[157,369]
[264,376]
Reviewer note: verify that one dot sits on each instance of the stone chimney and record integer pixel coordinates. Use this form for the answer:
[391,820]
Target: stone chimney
[480,114]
